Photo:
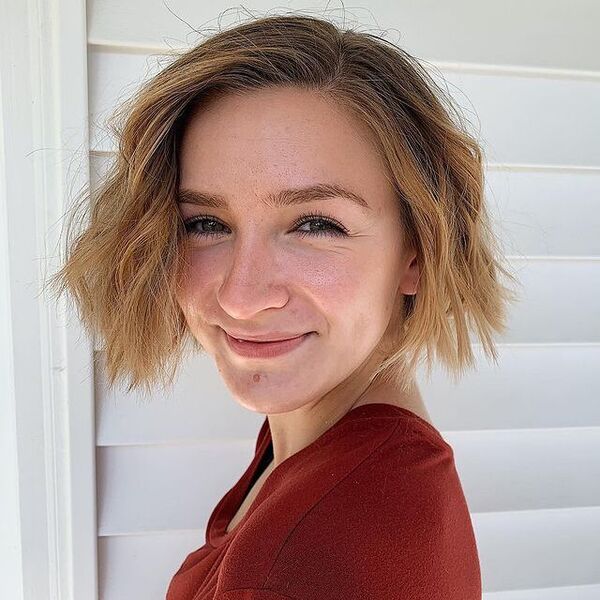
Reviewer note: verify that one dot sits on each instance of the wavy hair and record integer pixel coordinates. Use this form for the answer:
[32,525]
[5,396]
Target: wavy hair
[123,268]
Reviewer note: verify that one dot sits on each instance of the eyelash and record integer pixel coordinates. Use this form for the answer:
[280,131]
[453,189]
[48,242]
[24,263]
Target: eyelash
[337,228]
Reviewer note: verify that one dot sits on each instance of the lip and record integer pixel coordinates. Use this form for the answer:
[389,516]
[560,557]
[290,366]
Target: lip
[265,349]
[275,336]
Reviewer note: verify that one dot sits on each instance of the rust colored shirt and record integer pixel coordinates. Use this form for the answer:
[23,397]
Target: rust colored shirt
[373,509]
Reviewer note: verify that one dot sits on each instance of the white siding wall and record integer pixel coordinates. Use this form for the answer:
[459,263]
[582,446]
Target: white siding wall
[526,434]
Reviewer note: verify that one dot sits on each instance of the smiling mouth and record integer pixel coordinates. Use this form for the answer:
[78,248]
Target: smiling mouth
[265,349]
[264,338]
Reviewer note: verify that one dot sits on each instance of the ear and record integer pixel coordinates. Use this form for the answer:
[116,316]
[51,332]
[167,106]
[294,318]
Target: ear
[409,277]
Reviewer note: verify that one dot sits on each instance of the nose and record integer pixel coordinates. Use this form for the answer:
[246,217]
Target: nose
[253,282]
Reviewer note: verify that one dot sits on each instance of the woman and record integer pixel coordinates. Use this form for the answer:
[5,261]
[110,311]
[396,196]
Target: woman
[304,187]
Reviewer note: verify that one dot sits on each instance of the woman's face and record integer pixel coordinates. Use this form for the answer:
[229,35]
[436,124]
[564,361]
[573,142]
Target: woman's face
[258,268]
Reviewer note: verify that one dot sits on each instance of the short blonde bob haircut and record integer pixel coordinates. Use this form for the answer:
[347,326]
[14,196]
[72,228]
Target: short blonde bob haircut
[123,268]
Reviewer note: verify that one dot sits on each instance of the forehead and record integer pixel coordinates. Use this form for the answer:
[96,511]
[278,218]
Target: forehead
[278,138]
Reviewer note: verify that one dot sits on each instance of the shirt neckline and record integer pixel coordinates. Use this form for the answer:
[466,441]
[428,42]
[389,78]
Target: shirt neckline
[230,503]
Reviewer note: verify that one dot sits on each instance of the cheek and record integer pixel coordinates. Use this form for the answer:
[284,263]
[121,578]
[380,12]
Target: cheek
[360,295]
[342,284]
[194,283]
[346,288]
[328,277]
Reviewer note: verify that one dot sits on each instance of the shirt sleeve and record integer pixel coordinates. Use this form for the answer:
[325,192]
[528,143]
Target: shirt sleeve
[396,528]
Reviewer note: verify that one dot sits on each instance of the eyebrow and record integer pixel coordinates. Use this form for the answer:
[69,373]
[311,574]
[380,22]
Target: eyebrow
[283,198]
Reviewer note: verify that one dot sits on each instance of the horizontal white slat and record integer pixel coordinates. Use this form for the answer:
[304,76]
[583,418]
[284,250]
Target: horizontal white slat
[532,386]
[157,488]
[154,488]
[557,304]
[545,213]
[530,468]
[545,34]
[525,550]
[141,566]
[538,548]
[518,119]
[197,407]
[574,592]
[531,120]
[536,213]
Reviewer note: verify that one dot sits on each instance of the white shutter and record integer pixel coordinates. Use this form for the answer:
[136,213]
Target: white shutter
[526,434]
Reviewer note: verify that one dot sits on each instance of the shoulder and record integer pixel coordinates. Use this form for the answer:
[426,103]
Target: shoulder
[396,526]
[378,513]
[407,481]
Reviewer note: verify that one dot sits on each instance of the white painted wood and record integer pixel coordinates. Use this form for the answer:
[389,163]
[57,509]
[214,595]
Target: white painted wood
[24,525]
[11,563]
[538,548]
[545,212]
[198,406]
[571,592]
[519,120]
[532,468]
[140,487]
[533,385]
[141,566]
[47,456]
[532,120]
[536,33]
[550,290]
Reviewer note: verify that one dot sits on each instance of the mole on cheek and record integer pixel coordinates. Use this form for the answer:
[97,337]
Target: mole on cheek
[256,377]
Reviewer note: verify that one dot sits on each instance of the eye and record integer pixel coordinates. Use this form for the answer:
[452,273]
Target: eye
[190,225]
[332,227]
